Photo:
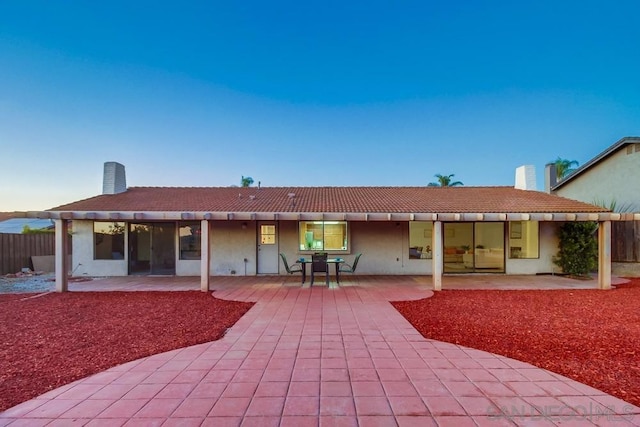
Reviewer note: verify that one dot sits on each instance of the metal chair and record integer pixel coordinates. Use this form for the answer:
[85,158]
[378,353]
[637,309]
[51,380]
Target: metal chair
[293,268]
[350,268]
[319,265]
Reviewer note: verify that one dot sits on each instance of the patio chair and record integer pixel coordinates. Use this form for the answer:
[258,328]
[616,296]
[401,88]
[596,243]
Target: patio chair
[293,268]
[350,268]
[319,265]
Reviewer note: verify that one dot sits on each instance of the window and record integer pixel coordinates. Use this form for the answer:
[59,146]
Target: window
[323,235]
[268,234]
[190,237]
[523,239]
[108,240]
[420,239]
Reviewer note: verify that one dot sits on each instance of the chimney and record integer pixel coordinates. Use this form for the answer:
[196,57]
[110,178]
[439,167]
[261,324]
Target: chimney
[526,178]
[550,177]
[114,180]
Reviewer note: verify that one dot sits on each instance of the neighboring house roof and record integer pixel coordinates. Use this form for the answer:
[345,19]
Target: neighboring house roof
[597,159]
[331,200]
[16,225]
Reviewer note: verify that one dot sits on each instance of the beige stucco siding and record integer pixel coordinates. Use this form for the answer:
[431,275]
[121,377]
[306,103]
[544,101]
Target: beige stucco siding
[548,249]
[614,179]
[82,262]
[384,245]
[230,245]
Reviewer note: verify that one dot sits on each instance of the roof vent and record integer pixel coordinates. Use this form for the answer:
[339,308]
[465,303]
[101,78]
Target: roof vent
[252,197]
[291,195]
[114,180]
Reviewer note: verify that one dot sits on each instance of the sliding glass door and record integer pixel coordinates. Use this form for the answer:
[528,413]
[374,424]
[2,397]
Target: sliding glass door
[152,248]
[473,247]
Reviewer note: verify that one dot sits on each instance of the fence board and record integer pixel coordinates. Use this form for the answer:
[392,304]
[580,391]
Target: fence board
[625,241]
[16,250]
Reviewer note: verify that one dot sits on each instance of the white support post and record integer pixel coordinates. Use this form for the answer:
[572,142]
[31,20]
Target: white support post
[604,255]
[436,258]
[62,255]
[205,256]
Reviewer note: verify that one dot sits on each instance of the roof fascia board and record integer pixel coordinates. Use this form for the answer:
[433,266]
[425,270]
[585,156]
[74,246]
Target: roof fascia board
[334,216]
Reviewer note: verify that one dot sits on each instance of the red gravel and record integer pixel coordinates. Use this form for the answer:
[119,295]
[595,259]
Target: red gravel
[55,339]
[591,336]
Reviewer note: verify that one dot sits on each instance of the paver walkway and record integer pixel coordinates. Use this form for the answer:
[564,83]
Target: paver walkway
[324,357]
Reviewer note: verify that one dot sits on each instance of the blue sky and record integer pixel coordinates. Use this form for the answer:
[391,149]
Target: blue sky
[306,93]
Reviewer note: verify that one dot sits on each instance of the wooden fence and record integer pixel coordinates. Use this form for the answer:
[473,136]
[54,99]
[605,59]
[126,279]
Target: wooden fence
[16,250]
[625,241]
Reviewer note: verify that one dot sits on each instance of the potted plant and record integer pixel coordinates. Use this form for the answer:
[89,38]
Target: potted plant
[466,248]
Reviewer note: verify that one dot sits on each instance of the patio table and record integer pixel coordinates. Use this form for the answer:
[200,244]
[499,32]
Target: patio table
[305,261]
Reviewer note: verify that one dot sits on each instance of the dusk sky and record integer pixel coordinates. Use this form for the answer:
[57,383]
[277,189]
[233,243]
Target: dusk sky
[299,93]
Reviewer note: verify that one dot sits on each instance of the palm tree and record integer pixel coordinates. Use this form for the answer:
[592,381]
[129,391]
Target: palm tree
[246,181]
[444,181]
[564,167]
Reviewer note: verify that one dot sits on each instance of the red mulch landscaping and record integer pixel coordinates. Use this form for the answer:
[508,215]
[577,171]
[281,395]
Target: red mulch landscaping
[591,336]
[57,338]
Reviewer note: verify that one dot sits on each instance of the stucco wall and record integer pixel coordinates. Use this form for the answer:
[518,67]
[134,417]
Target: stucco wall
[385,249]
[548,249]
[614,179]
[82,262]
[384,245]
[230,246]
[626,269]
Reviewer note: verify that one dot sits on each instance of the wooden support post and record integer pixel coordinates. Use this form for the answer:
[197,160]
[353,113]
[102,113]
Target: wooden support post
[62,255]
[205,256]
[604,255]
[436,258]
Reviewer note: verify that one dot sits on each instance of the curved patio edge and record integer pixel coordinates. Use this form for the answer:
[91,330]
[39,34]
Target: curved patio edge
[323,354]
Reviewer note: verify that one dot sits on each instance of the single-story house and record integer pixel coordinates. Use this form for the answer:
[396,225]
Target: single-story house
[205,231]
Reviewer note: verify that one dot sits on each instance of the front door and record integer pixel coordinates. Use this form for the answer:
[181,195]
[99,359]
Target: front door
[267,248]
[152,248]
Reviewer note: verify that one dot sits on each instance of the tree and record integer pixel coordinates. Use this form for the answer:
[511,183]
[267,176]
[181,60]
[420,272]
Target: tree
[445,181]
[246,181]
[564,167]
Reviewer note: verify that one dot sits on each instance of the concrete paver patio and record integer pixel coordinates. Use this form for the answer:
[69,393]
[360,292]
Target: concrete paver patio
[322,357]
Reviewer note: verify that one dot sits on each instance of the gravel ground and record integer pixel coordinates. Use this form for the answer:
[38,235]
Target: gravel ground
[21,285]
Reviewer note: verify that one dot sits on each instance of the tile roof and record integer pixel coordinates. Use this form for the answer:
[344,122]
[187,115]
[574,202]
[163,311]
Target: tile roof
[331,199]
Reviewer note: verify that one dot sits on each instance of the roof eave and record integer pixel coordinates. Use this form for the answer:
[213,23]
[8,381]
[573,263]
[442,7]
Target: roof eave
[334,216]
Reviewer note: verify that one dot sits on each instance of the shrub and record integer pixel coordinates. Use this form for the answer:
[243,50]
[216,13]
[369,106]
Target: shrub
[578,255]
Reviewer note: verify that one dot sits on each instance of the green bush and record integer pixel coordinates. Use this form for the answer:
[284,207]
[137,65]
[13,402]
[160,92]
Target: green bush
[578,255]
[28,230]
